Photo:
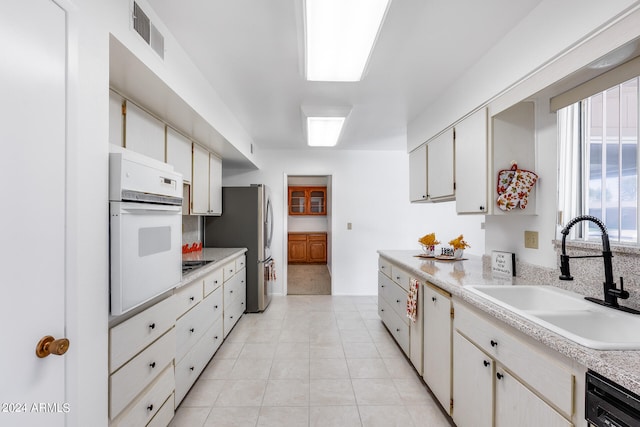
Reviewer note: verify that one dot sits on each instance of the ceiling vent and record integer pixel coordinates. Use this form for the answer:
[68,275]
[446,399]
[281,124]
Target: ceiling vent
[149,33]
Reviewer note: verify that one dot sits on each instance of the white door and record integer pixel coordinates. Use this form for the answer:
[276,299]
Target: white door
[32,225]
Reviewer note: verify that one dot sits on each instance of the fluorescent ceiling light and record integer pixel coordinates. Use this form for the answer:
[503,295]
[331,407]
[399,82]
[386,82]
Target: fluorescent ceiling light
[324,131]
[340,35]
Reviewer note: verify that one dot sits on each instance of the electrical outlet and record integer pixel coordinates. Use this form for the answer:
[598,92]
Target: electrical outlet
[531,239]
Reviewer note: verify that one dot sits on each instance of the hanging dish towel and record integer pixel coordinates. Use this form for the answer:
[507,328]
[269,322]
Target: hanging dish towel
[412,300]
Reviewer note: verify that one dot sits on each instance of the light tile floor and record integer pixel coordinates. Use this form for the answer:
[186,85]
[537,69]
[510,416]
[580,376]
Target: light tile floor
[310,361]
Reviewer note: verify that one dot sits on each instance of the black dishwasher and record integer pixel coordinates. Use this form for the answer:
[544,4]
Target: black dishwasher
[608,404]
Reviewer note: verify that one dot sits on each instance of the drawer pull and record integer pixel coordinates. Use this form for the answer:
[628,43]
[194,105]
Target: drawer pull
[192,330]
[382,286]
[215,306]
[486,363]
[494,343]
[398,301]
[382,309]
[397,277]
[434,299]
[215,337]
[230,317]
[150,408]
[192,368]
[192,298]
[397,330]
[231,291]
[215,281]
[152,365]
[382,267]
[499,376]
[152,326]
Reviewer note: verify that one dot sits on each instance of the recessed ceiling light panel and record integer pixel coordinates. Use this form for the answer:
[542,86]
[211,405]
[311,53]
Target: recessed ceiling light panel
[340,35]
[324,131]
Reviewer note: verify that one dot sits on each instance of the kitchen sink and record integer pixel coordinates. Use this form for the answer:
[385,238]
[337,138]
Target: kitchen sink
[188,266]
[568,314]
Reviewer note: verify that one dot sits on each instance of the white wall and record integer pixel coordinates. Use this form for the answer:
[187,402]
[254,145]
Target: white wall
[371,190]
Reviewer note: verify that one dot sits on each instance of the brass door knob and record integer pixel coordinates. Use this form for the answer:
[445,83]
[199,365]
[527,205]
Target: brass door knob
[48,345]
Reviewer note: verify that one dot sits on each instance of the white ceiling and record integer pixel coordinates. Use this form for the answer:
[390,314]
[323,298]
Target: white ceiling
[250,51]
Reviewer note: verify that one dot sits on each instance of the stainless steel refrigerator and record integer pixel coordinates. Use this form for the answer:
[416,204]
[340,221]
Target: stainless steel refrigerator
[247,222]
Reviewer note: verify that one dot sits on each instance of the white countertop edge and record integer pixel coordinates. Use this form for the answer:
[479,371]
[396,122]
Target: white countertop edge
[621,366]
[220,256]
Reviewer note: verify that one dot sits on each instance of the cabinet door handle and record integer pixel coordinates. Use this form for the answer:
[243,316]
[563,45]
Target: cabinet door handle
[150,408]
[486,363]
[231,291]
[382,286]
[152,326]
[215,337]
[398,301]
[192,368]
[192,298]
[397,330]
[481,207]
[382,309]
[434,299]
[499,376]
[494,343]
[192,330]
[152,365]
[215,306]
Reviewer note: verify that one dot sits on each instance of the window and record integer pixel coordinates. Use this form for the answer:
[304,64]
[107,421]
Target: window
[599,162]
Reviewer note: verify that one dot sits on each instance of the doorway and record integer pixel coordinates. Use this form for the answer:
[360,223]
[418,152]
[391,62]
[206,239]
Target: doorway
[308,230]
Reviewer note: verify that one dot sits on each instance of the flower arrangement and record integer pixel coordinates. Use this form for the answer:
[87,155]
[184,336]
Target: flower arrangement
[459,243]
[429,240]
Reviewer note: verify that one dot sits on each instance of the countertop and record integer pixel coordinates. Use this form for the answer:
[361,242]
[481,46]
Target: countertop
[623,367]
[219,256]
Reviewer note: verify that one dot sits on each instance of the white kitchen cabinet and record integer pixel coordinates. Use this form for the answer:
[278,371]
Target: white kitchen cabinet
[440,167]
[471,163]
[215,185]
[206,187]
[516,405]
[179,154]
[393,290]
[528,387]
[472,385]
[144,133]
[431,170]
[200,182]
[235,293]
[437,343]
[418,174]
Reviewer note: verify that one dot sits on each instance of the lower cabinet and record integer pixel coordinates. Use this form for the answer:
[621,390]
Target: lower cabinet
[156,355]
[307,248]
[393,292]
[437,343]
[500,380]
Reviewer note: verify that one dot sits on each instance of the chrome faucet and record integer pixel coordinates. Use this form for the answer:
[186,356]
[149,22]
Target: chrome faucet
[611,292]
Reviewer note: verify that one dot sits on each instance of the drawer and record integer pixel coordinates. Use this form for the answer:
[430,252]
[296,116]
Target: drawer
[397,298]
[399,330]
[297,237]
[228,270]
[192,326]
[128,338]
[231,315]
[148,404]
[126,383]
[165,414]
[241,263]
[321,237]
[233,289]
[212,281]
[401,277]
[384,266]
[384,283]
[215,304]
[549,378]
[384,310]
[190,367]
[188,296]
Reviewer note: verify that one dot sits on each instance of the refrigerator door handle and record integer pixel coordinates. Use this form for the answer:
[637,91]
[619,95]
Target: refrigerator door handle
[264,261]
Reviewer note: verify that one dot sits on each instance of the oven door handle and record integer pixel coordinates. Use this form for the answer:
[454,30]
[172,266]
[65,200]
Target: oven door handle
[137,208]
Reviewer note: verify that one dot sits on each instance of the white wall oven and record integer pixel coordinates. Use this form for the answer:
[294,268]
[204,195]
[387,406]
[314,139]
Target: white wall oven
[145,229]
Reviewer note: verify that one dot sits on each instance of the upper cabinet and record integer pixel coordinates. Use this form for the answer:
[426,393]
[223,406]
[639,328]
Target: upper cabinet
[471,163]
[206,186]
[431,169]
[179,154]
[418,174]
[143,133]
[307,200]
